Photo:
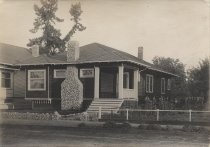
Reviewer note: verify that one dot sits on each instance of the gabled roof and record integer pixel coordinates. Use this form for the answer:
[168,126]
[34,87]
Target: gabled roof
[10,54]
[91,53]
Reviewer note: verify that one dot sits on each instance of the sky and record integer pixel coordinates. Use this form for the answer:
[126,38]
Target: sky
[170,28]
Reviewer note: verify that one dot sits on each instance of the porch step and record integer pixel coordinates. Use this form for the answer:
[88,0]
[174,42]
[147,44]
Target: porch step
[107,105]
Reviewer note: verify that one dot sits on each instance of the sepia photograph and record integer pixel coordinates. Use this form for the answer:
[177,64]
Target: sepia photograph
[104,73]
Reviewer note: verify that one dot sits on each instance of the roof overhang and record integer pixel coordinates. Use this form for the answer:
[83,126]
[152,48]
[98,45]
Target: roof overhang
[8,67]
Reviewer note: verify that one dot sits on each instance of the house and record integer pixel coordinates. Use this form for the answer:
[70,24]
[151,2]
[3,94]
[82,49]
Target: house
[95,75]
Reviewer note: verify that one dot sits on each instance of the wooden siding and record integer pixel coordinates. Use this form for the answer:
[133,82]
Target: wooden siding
[4,93]
[19,83]
[7,92]
[156,84]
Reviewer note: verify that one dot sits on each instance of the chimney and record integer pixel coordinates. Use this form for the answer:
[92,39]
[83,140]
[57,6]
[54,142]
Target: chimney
[35,50]
[140,52]
[72,51]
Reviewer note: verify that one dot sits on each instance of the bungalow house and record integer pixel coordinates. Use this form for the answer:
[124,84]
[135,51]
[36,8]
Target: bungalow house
[94,75]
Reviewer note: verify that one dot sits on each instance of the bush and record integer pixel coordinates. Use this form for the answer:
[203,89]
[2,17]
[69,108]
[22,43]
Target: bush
[190,128]
[125,126]
[82,125]
[142,127]
[153,127]
[109,124]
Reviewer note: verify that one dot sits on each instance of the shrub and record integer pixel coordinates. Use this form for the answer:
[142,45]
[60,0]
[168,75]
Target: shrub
[125,126]
[142,127]
[153,127]
[168,128]
[190,128]
[109,124]
[82,125]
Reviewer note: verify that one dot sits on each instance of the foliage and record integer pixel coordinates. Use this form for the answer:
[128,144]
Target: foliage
[28,116]
[191,128]
[198,79]
[175,66]
[112,125]
[50,41]
[46,18]
[153,127]
[82,125]
[75,12]
[195,103]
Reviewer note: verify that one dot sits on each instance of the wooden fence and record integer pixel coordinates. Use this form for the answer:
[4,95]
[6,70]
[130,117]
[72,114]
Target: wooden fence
[156,115]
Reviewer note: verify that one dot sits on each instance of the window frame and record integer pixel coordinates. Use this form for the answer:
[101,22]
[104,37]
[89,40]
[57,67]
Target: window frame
[11,79]
[163,86]
[127,80]
[81,75]
[29,80]
[59,77]
[169,84]
[150,77]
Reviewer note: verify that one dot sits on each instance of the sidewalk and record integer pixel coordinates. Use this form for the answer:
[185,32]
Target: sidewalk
[57,123]
[70,123]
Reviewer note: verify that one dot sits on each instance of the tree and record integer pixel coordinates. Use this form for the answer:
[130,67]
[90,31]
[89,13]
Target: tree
[51,40]
[198,79]
[75,12]
[46,18]
[175,66]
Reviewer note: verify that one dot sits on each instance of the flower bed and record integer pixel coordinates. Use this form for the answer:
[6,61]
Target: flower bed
[48,116]
[81,116]
[28,116]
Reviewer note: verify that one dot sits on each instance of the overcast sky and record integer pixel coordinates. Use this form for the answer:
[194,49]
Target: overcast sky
[169,28]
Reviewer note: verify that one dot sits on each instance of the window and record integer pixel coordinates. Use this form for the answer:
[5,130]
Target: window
[36,80]
[87,73]
[169,84]
[59,73]
[126,80]
[6,79]
[163,89]
[149,83]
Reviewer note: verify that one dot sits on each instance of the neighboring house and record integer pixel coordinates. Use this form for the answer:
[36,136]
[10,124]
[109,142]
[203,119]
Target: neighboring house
[110,78]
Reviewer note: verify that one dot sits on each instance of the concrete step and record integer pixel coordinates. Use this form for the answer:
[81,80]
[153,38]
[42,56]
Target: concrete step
[107,105]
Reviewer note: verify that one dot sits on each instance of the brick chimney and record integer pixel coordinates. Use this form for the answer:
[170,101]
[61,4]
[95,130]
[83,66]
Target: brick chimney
[35,50]
[72,51]
[140,52]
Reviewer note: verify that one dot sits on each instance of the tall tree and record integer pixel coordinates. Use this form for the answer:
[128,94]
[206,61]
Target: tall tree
[50,41]
[179,87]
[45,21]
[198,79]
[75,12]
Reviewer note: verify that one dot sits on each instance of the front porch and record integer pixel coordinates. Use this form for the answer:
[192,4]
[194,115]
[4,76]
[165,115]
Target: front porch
[112,85]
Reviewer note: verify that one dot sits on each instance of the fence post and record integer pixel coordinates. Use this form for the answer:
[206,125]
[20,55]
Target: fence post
[86,116]
[157,114]
[99,112]
[127,114]
[190,115]
[111,115]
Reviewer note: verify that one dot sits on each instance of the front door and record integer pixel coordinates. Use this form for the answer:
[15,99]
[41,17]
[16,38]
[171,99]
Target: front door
[88,87]
[108,83]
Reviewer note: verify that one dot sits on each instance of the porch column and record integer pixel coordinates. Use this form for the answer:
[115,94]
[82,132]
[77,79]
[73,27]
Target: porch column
[96,82]
[136,76]
[120,81]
